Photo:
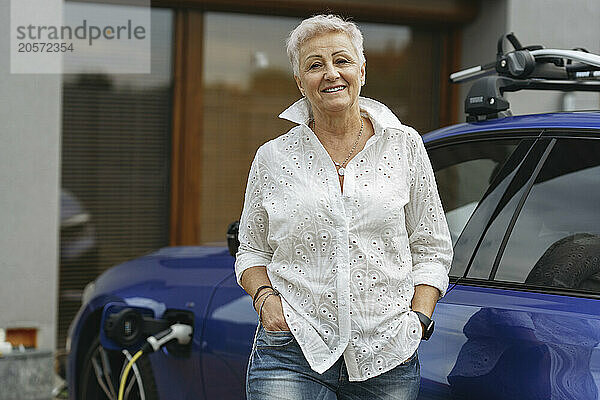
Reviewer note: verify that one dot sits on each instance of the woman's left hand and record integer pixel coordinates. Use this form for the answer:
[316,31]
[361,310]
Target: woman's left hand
[272,317]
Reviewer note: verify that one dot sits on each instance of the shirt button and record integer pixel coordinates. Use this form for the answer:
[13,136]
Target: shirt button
[343,302]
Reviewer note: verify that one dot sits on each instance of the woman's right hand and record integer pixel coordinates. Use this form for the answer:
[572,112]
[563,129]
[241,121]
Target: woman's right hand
[254,279]
[271,316]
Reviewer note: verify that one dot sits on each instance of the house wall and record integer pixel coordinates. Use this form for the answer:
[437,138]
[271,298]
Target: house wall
[29,195]
[556,24]
[479,40]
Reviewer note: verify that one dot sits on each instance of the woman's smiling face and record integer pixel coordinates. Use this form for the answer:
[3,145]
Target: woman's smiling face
[329,73]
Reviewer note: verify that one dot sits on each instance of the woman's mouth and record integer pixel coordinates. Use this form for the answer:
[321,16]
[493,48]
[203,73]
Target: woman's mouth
[334,89]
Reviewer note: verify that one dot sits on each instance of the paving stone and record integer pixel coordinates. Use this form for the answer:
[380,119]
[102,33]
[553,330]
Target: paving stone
[26,375]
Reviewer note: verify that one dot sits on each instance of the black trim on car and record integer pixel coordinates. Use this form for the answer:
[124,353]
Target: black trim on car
[515,216]
[488,223]
[572,133]
[520,287]
[490,135]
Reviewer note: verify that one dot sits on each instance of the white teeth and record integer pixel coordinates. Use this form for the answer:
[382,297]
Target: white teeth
[335,89]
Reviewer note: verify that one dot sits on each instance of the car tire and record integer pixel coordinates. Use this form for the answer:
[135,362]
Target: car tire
[100,375]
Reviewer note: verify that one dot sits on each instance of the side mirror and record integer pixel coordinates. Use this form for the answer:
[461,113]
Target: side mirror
[232,237]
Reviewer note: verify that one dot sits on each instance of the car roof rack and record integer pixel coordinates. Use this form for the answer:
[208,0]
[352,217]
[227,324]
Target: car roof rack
[525,68]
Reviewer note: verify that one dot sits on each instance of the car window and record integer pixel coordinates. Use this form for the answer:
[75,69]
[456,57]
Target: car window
[485,233]
[478,244]
[464,172]
[555,241]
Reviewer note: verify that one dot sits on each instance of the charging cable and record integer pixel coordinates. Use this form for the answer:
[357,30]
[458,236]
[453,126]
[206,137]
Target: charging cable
[180,332]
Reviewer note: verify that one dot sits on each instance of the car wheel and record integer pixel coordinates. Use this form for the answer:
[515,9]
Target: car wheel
[101,372]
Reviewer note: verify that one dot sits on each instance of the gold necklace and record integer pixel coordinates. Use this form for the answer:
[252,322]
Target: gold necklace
[341,167]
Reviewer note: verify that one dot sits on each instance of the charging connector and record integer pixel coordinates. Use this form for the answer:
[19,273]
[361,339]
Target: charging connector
[182,333]
[127,327]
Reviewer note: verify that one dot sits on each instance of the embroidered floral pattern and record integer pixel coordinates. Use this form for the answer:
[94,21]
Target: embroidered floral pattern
[346,263]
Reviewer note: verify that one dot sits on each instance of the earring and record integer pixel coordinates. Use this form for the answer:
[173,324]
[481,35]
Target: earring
[302,92]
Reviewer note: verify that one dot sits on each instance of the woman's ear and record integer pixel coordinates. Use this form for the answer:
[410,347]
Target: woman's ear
[363,74]
[299,84]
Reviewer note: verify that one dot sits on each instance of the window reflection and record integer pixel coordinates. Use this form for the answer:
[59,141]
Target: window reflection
[121,55]
[247,83]
[463,173]
[115,166]
[403,72]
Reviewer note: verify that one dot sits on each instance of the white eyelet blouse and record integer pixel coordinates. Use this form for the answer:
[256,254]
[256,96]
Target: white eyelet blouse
[346,263]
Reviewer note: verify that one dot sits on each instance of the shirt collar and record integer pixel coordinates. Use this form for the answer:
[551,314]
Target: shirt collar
[301,112]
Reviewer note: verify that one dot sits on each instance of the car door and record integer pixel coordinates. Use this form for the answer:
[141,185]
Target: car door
[472,176]
[229,327]
[532,284]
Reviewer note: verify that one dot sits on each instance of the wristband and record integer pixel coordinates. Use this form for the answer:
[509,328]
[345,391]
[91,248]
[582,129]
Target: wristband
[257,292]
[427,323]
[273,293]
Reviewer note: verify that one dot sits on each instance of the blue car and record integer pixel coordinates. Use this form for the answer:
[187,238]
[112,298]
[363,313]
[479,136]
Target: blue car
[521,318]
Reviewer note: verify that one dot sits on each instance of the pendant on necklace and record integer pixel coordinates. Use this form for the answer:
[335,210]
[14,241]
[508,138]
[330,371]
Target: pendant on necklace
[341,171]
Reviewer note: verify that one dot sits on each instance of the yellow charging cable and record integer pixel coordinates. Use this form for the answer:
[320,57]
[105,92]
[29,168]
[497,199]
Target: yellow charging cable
[126,372]
[180,332]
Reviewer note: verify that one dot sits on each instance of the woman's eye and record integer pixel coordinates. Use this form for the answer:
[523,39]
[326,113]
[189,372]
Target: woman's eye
[341,61]
[314,66]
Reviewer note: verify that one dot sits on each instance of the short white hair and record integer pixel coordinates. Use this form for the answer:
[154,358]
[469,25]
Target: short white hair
[318,25]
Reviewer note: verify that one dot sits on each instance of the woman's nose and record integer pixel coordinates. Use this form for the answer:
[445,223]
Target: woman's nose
[331,72]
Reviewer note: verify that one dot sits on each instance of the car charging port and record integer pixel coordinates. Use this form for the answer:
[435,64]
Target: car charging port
[125,327]
[129,327]
[179,317]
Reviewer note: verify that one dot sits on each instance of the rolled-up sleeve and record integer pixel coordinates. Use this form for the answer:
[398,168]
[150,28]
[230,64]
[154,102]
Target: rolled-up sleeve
[428,234]
[254,249]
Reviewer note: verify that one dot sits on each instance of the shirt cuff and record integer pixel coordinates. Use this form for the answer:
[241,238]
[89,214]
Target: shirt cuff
[432,274]
[248,258]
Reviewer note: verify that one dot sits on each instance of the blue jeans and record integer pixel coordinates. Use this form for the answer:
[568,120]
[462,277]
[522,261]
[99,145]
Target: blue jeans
[277,370]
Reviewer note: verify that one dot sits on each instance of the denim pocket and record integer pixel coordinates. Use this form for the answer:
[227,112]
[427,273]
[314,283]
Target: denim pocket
[273,338]
[411,358]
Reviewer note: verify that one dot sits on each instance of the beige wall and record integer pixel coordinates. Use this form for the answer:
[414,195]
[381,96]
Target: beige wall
[29,193]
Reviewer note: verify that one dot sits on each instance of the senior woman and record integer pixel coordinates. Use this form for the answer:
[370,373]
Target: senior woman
[344,245]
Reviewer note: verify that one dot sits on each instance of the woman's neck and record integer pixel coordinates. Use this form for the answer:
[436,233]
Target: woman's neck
[337,125]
